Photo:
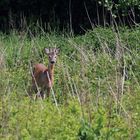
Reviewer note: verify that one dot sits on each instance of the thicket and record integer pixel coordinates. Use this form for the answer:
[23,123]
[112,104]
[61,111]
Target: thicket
[97,78]
[68,15]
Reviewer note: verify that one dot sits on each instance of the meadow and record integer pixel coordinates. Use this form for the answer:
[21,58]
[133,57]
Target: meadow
[97,86]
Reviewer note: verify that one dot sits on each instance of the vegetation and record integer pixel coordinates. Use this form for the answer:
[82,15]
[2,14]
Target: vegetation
[76,15]
[97,78]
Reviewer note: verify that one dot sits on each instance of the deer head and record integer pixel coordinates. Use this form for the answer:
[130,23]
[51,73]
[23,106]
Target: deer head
[52,54]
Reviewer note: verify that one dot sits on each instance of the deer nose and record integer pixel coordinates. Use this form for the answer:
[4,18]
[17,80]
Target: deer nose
[52,62]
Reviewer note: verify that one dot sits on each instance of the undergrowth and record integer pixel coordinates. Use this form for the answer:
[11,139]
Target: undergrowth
[96,88]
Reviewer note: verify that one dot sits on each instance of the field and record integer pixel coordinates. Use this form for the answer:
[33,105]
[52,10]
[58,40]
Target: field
[97,86]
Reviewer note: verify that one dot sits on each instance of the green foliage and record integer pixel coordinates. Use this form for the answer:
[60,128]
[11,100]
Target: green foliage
[120,6]
[90,105]
[39,120]
[86,132]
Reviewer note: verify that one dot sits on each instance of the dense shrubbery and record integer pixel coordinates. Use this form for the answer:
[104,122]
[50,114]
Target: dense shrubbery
[86,87]
[69,15]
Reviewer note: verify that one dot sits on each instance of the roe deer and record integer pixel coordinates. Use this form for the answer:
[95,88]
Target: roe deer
[42,76]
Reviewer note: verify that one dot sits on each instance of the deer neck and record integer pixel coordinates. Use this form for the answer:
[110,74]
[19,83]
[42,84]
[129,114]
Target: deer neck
[51,72]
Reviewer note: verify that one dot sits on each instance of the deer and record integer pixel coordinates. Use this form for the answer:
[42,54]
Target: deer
[42,76]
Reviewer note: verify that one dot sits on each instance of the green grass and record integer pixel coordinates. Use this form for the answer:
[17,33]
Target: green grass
[95,101]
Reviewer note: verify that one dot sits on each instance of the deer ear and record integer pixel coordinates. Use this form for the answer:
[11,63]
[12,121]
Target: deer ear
[46,50]
[57,50]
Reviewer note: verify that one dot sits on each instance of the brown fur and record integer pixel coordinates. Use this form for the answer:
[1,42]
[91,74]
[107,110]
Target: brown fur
[43,77]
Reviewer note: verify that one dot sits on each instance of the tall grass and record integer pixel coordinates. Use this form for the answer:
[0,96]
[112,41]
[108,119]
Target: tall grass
[96,86]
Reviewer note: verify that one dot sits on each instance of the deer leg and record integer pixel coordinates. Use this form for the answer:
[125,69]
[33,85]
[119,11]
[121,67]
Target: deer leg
[32,89]
[48,91]
[42,94]
[35,90]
